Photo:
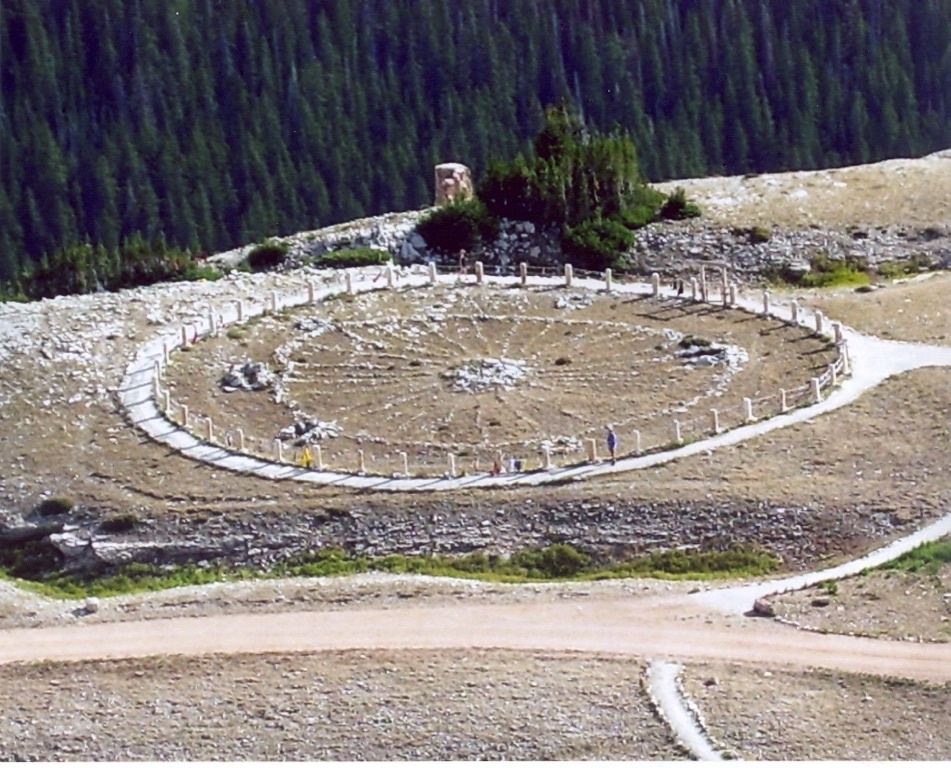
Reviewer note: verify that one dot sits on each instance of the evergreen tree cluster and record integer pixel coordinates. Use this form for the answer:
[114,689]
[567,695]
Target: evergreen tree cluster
[586,185]
[84,268]
[214,124]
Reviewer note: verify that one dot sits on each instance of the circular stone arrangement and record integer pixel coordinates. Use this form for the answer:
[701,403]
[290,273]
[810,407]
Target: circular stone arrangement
[410,377]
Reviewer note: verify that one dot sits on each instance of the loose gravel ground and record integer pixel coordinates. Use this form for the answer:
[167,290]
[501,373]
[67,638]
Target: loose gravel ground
[892,604]
[400,705]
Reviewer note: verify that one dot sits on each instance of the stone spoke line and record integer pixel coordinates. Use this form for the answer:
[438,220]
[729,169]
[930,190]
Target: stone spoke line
[871,360]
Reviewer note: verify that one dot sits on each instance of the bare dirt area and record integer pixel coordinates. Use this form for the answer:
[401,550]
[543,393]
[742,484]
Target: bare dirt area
[398,705]
[783,714]
[863,454]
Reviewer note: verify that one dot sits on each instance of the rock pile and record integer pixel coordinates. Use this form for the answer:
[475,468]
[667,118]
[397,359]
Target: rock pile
[574,300]
[388,232]
[671,248]
[313,326]
[249,376]
[487,373]
[309,431]
[517,241]
[712,354]
[616,527]
[675,247]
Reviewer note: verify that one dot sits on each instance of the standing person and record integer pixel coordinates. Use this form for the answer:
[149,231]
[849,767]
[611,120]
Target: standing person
[463,264]
[611,440]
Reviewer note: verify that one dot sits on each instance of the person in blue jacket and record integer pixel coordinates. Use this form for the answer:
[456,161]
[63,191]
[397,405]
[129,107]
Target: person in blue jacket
[612,444]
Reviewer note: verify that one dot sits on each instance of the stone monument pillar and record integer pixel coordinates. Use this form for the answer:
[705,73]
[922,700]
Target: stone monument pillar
[453,183]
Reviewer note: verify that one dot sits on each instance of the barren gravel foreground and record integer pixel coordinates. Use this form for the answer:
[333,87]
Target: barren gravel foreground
[871,470]
[398,705]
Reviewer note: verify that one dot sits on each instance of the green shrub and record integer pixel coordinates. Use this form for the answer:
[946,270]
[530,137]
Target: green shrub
[466,224]
[55,505]
[41,563]
[120,523]
[677,207]
[758,235]
[735,561]
[641,214]
[576,175]
[560,561]
[198,271]
[32,560]
[509,191]
[267,256]
[352,257]
[597,244]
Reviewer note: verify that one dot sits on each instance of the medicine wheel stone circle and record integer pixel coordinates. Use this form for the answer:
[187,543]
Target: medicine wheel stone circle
[457,378]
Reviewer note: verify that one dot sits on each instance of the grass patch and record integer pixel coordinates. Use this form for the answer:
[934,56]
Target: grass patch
[824,272]
[194,271]
[267,255]
[927,559]
[120,523]
[558,562]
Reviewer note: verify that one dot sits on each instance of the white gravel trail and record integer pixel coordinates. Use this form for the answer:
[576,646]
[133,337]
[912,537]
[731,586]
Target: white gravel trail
[663,689]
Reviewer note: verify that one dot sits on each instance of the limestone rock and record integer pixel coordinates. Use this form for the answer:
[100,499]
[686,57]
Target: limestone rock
[762,607]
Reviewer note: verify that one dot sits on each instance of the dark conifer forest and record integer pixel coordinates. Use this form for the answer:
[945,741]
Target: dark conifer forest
[205,124]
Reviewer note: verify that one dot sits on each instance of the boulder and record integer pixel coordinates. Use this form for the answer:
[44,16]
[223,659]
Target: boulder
[762,607]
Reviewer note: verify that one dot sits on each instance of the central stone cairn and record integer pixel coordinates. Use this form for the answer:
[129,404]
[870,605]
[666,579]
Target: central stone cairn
[487,373]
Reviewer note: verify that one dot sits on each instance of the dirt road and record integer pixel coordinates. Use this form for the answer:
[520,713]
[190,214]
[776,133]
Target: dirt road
[674,627]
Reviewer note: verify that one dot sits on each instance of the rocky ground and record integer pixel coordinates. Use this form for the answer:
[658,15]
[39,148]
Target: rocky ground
[785,714]
[814,493]
[343,706]
[893,604]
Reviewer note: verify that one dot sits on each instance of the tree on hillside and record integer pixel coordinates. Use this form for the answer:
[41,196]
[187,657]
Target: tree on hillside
[576,175]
